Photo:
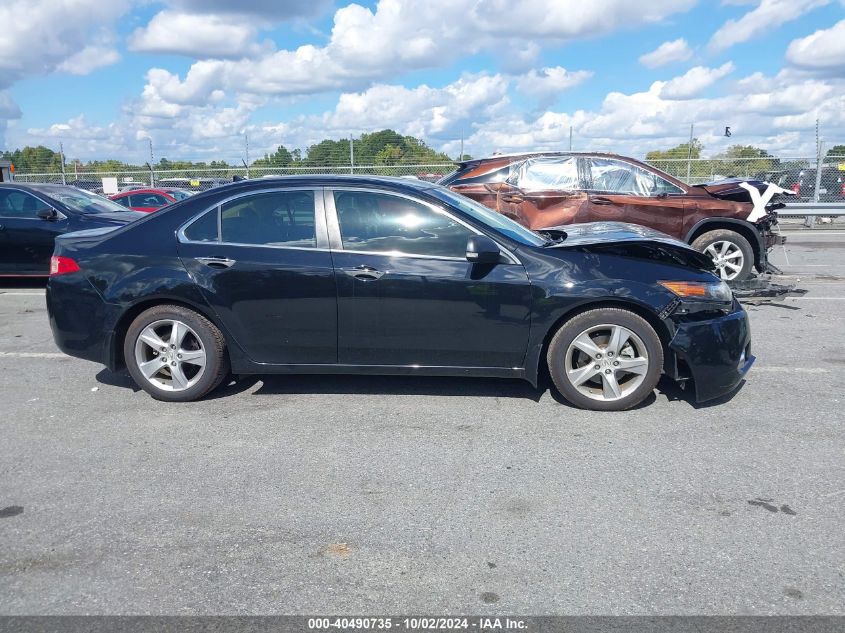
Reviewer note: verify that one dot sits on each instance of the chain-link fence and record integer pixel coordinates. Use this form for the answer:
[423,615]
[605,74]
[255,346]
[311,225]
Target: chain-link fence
[199,179]
[798,174]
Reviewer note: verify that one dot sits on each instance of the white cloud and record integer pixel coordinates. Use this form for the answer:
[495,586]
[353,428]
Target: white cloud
[196,35]
[824,50]
[668,52]
[370,45]
[769,14]
[547,84]
[38,36]
[694,81]
[89,59]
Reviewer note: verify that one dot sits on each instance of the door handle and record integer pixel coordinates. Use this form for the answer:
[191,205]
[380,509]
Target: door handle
[216,262]
[600,200]
[512,199]
[364,273]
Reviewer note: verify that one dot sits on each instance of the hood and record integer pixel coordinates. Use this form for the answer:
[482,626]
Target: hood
[633,240]
[730,189]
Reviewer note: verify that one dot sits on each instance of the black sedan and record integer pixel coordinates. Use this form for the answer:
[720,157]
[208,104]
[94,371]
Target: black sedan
[332,274]
[32,215]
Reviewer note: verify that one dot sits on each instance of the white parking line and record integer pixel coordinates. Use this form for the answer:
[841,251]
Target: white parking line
[32,355]
[788,370]
[21,294]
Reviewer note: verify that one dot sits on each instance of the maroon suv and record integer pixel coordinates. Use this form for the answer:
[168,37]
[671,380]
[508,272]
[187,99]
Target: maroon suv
[548,190]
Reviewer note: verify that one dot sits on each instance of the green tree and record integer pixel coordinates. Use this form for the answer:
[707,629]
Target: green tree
[837,151]
[680,151]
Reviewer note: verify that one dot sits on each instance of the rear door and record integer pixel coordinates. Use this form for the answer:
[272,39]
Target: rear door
[623,192]
[26,241]
[543,192]
[263,263]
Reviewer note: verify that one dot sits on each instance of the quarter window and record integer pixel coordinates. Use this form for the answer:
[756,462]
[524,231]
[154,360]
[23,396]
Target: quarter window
[386,223]
[204,229]
[615,176]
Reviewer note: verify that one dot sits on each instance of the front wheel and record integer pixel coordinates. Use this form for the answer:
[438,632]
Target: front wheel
[606,359]
[175,354]
[731,253]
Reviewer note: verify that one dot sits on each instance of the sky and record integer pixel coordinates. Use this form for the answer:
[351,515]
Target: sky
[196,78]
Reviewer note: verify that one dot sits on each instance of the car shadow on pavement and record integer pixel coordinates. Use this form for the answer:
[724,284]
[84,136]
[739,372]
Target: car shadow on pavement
[334,384]
[675,393]
[275,384]
[16,283]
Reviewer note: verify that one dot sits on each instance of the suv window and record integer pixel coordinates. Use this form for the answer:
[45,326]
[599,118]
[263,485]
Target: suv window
[616,176]
[19,204]
[543,174]
[386,223]
[277,218]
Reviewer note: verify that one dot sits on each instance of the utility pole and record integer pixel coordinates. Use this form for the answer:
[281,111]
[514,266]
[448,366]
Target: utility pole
[246,148]
[570,138]
[62,157]
[351,154]
[689,152]
[461,155]
[152,173]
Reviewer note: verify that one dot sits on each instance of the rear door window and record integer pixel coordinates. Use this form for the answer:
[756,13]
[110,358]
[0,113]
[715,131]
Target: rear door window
[546,174]
[277,218]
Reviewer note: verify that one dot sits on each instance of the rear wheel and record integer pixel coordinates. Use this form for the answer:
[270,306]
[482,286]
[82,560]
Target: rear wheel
[731,253]
[175,354]
[606,359]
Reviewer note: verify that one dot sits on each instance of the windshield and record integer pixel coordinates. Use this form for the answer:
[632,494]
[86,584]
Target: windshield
[86,202]
[494,220]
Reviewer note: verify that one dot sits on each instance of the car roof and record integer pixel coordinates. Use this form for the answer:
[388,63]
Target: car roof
[524,155]
[40,187]
[325,180]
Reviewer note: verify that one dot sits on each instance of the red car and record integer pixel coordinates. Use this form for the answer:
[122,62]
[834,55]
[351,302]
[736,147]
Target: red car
[149,200]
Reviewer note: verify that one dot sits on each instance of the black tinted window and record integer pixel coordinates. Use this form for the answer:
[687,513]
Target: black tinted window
[19,204]
[203,229]
[385,223]
[279,218]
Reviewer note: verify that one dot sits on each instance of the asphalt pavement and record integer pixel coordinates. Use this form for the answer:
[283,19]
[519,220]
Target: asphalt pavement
[333,494]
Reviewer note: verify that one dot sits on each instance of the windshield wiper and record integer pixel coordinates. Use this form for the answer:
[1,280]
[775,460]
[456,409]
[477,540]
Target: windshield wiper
[554,236]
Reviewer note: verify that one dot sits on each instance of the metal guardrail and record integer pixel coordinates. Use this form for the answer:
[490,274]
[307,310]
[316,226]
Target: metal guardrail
[824,209]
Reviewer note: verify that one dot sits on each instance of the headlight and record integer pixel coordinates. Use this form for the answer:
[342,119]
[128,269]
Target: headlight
[704,290]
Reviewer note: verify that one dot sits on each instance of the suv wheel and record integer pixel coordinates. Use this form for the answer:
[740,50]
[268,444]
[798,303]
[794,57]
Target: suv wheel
[175,354]
[606,359]
[731,253]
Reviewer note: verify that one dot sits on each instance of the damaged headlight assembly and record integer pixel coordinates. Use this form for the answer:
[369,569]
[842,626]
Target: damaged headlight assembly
[697,296]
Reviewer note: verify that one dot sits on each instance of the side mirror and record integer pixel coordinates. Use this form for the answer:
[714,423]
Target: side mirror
[482,250]
[47,214]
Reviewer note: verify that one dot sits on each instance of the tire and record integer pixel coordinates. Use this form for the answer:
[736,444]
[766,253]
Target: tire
[196,365]
[640,351]
[727,249]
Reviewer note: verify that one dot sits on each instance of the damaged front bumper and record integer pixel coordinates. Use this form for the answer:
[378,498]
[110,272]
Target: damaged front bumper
[714,352]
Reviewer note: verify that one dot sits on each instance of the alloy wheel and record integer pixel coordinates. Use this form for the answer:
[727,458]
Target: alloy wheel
[170,355]
[727,257]
[606,362]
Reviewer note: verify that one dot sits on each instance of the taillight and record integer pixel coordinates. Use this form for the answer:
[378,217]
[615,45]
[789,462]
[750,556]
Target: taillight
[796,188]
[843,189]
[60,265]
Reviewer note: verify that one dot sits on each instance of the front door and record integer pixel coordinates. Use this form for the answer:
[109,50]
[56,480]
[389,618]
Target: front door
[622,192]
[408,296]
[26,241]
[263,264]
